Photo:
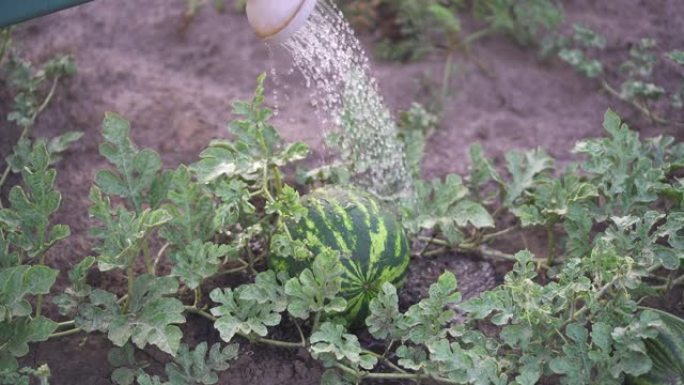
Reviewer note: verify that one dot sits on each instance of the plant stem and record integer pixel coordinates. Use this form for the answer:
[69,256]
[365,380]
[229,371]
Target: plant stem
[433,240]
[300,331]
[198,297]
[446,79]
[278,180]
[3,179]
[468,40]
[434,252]
[490,236]
[670,284]
[488,252]
[39,298]
[47,99]
[385,360]
[160,254]
[130,277]
[316,321]
[643,109]
[550,245]
[391,376]
[235,270]
[149,264]
[65,333]
[66,324]
[6,37]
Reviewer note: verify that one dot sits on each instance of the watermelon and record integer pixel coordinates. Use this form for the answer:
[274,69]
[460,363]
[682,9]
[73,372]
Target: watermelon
[667,353]
[372,244]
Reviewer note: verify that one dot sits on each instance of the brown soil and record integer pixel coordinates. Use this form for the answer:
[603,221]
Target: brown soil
[176,87]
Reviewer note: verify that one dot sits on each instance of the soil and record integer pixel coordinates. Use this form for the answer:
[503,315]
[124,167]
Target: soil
[176,85]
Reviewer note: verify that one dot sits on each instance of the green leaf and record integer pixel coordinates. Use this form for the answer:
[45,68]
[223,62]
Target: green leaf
[62,143]
[525,169]
[333,377]
[677,56]
[16,334]
[197,262]
[425,320]
[136,170]
[32,205]
[481,169]
[123,231]
[316,289]
[192,210]
[474,213]
[146,379]
[196,367]
[445,207]
[411,357]
[622,168]
[79,290]
[287,204]
[125,364]
[249,309]
[152,317]
[17,283]
[384,321]
[331,342]
[415,124]
[257,146]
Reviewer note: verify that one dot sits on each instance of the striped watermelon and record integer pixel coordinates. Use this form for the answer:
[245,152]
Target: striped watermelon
[372,244]
[666,352]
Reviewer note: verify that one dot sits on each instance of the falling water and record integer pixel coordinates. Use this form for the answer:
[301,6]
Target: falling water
[335,66]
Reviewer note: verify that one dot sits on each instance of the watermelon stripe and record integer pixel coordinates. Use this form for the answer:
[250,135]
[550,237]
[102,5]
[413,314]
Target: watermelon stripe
[329,236]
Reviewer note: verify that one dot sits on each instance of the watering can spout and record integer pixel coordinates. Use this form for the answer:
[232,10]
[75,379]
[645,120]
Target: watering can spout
[277,20]
[16,11]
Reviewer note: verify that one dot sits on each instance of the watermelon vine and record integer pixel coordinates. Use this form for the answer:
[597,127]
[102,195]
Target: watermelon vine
[614,224]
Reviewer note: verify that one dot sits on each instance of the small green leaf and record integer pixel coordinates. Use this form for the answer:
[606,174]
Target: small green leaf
[199,368]
[249,309]
[136,170]
[316,289]
[385,319]
[331,342]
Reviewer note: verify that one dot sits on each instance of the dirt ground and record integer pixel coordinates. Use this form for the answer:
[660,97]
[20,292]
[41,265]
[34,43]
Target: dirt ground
[176,88]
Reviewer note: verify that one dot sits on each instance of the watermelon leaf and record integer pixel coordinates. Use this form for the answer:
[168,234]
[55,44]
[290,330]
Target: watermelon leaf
[525,169]
[257,145]
[192,210]
[331,343]
[426,320]
[136,170]
[385,319]
[249,309]
[200,366]
[152,317]
[123,232]
[316,289]
[446,207]
[197,262]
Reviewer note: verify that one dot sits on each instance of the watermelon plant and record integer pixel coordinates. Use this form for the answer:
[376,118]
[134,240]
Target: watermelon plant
[33,90]
[326,260]
[637,83]
[410,29]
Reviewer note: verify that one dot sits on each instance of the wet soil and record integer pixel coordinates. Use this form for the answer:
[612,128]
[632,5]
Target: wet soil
[176,85]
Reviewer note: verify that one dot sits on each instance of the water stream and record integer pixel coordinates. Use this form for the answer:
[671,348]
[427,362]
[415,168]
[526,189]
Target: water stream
[336,68]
